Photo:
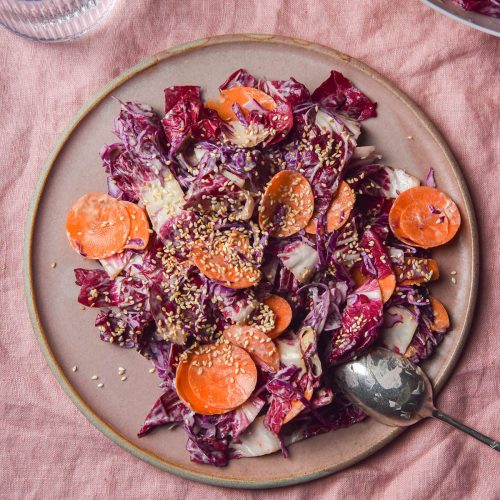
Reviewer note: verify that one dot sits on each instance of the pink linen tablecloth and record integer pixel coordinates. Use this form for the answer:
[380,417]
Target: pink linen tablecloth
[48,449]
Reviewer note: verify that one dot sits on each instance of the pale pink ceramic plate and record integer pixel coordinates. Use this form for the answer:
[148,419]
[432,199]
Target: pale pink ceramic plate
[67,334]
[472,19]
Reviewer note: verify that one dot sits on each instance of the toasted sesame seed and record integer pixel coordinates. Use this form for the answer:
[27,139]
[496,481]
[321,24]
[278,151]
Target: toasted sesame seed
[100,385]
[453,280]
[410,137]
[53,264]
[123,378]
[94,377]
[121,370]
[152,370]
[75,368]
[453,273]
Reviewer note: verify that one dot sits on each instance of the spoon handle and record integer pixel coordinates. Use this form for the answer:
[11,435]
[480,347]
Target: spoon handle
[464,428]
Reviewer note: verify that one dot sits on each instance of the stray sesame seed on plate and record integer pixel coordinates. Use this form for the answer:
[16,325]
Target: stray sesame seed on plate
[100,385]
[152,370]
[75,368]
[453,280]
[453,273]
[53,264]
[94,377]
[121,370]
[123,378]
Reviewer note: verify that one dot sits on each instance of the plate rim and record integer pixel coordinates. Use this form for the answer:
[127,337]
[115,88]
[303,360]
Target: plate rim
[467,22]
[105,427]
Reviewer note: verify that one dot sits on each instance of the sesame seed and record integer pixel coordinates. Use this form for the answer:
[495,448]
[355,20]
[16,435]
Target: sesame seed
[121,370]
[453,273]
[123,378]
[100,385]
[94,377]
[75,368]
[454,281]
[53,264]
[152,370]
[410,137]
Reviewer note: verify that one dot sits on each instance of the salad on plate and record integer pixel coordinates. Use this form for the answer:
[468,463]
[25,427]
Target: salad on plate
[247,245]
[489,8]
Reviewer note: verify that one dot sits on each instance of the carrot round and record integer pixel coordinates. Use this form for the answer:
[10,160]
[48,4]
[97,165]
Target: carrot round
[245,282]
[220,260]
[441,321]
[424,216]
[338,211]
[139,227]
[239,95]
[357,275]
[297,406]
[216,378]
[291,190]
[416,270]
[387,284]
[260,347]
[282,314]
[97,226]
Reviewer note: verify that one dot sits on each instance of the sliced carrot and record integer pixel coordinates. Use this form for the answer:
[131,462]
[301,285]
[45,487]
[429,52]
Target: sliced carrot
[260,347]
[387,286]
[139,227]
[339,210]
[97,226]
[241,283]
[357,275]
[424,216]
[291,190]
[297,406]
[420,224]
[282,314]
[441,320]
[220,260]
[416,270]
[240,96]
[216,378]
[410,351]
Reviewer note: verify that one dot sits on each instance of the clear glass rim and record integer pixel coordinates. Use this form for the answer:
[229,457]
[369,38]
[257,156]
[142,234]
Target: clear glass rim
[73,36]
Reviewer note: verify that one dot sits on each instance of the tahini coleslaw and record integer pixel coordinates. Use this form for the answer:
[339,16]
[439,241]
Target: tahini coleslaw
[247,246]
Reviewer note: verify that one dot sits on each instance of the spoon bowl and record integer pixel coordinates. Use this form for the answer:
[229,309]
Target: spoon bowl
[388,387]
[394,391]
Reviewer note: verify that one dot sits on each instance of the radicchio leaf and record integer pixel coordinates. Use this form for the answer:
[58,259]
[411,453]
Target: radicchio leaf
[186,117]
[338,93]
[361,320]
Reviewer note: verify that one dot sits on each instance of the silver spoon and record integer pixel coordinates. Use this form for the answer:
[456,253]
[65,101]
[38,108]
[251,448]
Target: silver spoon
[391,389]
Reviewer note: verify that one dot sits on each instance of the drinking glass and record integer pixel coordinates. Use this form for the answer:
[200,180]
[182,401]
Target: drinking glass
[52,20]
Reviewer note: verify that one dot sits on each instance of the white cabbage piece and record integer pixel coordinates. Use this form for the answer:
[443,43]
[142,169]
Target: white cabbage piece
[300,259]
[399,336]
[257,440]
[399,181]
[162,202]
